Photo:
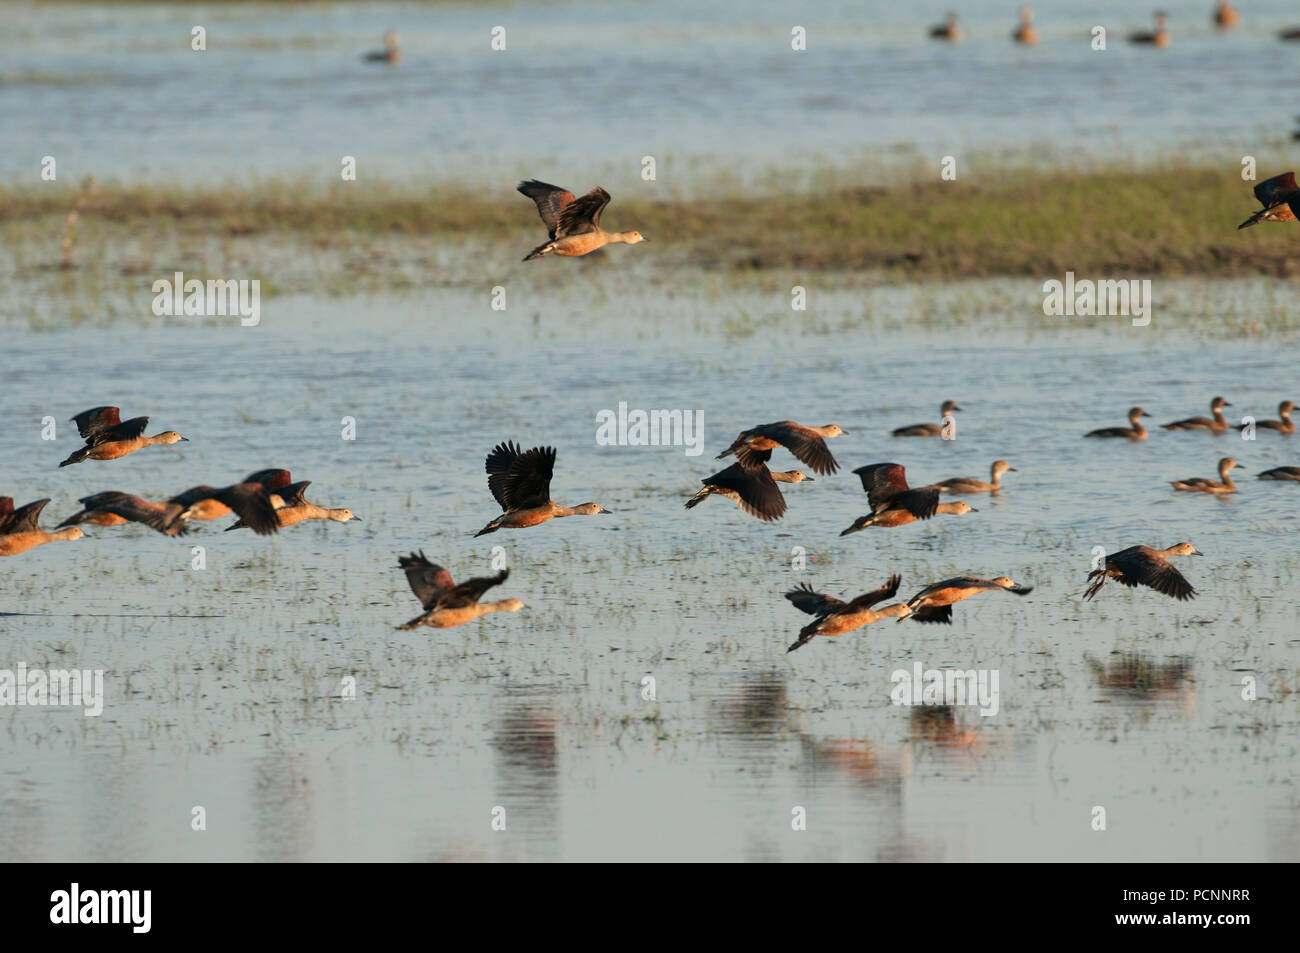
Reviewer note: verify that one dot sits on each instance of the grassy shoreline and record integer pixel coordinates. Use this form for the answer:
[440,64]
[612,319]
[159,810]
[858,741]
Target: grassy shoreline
[1028,223]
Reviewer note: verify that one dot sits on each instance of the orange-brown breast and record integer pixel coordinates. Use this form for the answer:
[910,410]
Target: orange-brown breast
[838,625]
[948,595]
[20,543]
[101,518]
[209,510]
[113,450]
[525,518]
[576,245]
[895,518]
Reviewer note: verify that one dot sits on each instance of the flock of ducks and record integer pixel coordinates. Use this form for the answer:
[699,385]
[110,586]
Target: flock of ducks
[265,501]
[520,480]
[1224,17]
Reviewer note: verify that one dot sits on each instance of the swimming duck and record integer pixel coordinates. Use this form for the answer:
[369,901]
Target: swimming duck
[835,617]
[949,29]
[521,483]
[572,223]
[390,54]
[754,490]
[1282,425]
[447,604]
[1142,565]
[934,603]
[1280,473]
[1158,37]
[1226,15]
[1026,33]
[108,438]
[972,485]
[19,531]
[753,448]
[1201,485]
[928,430]
[1217,423]
[1134,431]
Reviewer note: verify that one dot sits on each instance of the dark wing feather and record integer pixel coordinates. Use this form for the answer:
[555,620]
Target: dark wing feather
[922,503]
[272,478]
[869,599]
[97,418]
[132,508]
[803,443]
[882,481]
[128,430]
[24,518]
[582,215]
[808,600]
[1140,569]
[1273,191]
[933,614]
[6,511]
[518,479]
[757,492]
[251,502]
[293,494]
[551,201]
[748,457]
[469,592]
[427,580]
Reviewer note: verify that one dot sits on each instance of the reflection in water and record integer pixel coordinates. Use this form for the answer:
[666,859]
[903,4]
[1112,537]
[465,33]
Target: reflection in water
[525,739]
[1138,678]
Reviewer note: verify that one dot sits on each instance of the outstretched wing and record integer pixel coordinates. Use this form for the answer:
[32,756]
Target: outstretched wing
[293,494]
[582,215]
[756,491]
[97,418]
[803,443]
[272,478]
[551,201]
[1274,191]
[518,479]
[469,592]
[127,430]
[882,481]
[131,508]
[24,518]
[6,512]
[869,599]
[427,580]
[1157,574]
[806,599]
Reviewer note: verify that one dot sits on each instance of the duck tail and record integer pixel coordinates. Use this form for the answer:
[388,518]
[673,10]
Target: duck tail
[541,251]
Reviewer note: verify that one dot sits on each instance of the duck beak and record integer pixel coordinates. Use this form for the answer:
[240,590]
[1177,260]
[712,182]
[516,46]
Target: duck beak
[1196,552]
[973,510]
[185,439]
[808,479]
[843,432]
[1012,470]
[356,517]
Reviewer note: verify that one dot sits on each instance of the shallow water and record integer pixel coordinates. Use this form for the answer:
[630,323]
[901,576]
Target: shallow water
[590,88]
[223,684]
